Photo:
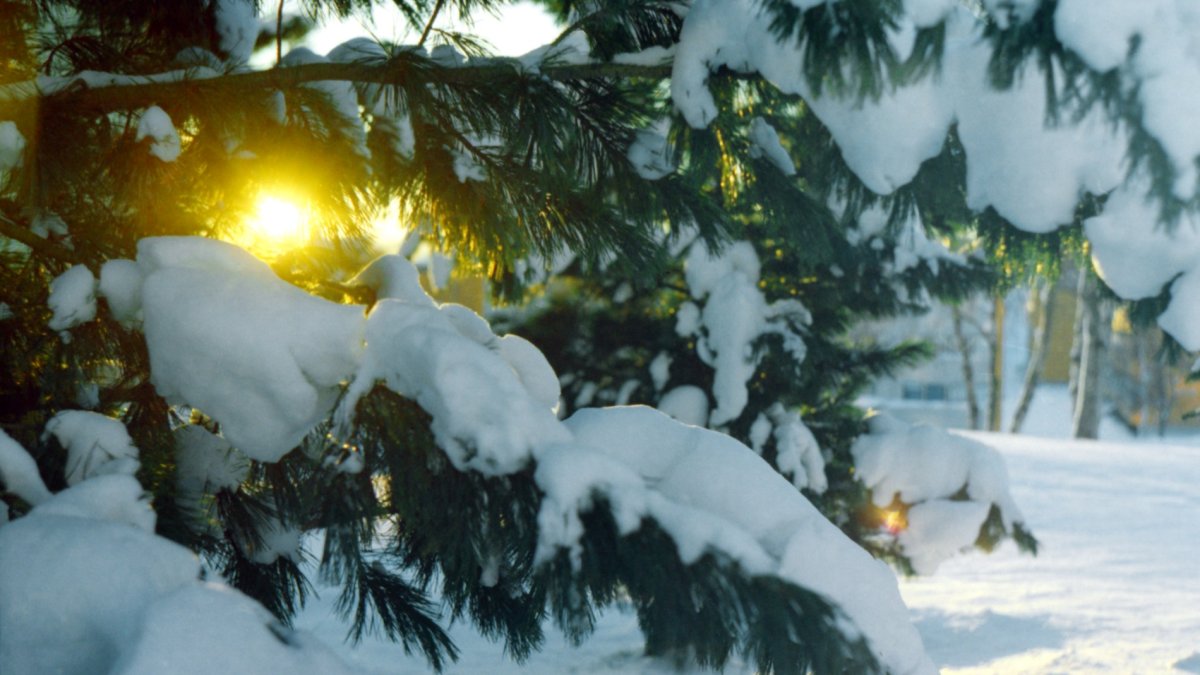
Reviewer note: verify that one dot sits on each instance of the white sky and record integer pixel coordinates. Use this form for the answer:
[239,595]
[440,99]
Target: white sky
[520,28]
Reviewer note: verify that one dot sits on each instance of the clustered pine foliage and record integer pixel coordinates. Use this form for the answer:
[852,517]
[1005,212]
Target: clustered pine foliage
[602,331]
[551,149]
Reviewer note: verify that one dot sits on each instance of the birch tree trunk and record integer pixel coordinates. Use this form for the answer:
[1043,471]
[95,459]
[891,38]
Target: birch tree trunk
[1094,320]
[968,367]
[1040,299]
[996,385]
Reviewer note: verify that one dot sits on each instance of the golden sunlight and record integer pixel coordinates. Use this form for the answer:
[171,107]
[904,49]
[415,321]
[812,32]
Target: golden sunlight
[894,521]
[277,225]
[388,233]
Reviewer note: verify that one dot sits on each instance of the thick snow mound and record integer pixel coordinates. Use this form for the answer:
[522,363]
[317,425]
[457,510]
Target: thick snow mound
[492,398]
[734,317]
[1134,254]
[1165,65]
[1032,172]
[266,361]
[797,454]
[19,473]
[87,587]
[121,286]
[12,147]
[686,403]
[1031,168]
[650,154]
[949,482]
[76,575]
[225,335]
[532,368]
[711,493]
[156,125]
[73,590]
[72,298]
[96,444]
[484,417]
[236,26]
[394,277]
[202,629]
[114,498]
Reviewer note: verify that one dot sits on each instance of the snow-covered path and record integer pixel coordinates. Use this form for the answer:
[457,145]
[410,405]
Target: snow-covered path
[1116,586]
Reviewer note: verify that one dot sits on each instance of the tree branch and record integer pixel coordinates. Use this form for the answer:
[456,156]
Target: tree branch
[181,87]
[279,33]
[40,246]
[429,24]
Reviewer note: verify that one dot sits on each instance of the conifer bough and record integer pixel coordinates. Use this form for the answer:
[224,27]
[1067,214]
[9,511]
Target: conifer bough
[136,92]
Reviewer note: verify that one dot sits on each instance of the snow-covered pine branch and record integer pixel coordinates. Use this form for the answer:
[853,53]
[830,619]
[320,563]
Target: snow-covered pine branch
[99,93]
[247,350]
[1032,148]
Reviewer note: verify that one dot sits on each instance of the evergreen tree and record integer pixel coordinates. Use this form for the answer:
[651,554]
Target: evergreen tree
[819,267]
[256,404]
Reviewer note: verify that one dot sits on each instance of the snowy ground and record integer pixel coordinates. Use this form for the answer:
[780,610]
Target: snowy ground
[1115,589]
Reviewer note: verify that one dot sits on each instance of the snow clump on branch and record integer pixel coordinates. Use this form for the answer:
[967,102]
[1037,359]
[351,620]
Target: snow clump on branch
[266,360]
[735,315]
[1029,166]
[948,484]
[156,125]
[12,147]
[87,587]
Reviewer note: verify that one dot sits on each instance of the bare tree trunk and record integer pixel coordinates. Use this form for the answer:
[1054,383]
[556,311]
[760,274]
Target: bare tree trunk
[1040,299]
[1144,392]
[1161,386]
[1076,340]
[996,385]
[1093,337]
[964,349]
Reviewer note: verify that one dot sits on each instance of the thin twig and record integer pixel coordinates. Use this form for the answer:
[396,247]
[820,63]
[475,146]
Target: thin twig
[279,33]
[429,24]
[572,28]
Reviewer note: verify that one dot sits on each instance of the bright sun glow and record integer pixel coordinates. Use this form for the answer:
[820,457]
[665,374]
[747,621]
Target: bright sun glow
[387,230]
[277,225]
[894,521]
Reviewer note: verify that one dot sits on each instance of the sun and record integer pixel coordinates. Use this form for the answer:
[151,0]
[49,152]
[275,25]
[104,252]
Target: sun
[277,225]
[278,219]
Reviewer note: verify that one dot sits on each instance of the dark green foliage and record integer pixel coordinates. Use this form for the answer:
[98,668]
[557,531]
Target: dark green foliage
[384,601]
[441,520]
[280,586]
[993,532]
[619,26]
[602,330]
[601,346]
[421,531]
[846,48]
[707,610]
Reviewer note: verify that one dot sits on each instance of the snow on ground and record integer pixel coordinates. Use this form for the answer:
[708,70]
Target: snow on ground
[1114,589]
[616,647]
